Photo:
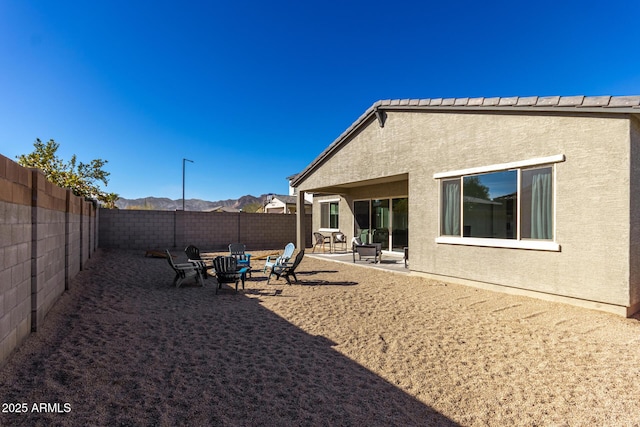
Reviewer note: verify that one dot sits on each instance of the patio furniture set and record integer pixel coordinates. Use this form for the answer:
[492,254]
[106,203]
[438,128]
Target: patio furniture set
[233,268]
[361,251]
[333,240]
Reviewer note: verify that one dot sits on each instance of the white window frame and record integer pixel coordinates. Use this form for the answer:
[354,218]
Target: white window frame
[320,202]
[541,245]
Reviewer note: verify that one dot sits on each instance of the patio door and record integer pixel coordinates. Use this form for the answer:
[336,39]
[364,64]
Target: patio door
[384,221]
[380,222]
[399,224]
[362,219]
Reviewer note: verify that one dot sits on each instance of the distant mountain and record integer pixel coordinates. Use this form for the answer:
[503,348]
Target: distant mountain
[165,204]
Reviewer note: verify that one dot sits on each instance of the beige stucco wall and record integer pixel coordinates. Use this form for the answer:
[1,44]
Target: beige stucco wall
[593,193]
[634,241]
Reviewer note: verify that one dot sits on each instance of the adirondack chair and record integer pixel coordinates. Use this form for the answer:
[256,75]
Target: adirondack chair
[185,271]
[193,253]
[285,257]
[286,269]
[227,271]
[237,250]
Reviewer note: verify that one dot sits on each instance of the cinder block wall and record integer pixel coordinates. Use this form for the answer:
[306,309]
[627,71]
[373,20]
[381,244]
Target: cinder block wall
[47,235]
[74,219]
[15,256]
[41,248]
[48,247]
[140,229]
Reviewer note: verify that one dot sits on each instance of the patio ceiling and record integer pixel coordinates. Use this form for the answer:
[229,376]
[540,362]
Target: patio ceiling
[345,187]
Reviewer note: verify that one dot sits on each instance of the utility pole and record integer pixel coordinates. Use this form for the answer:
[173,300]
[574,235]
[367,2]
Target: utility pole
[184,160]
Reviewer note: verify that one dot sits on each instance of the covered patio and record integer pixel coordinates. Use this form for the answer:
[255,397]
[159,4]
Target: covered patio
[393,262]
[373,210]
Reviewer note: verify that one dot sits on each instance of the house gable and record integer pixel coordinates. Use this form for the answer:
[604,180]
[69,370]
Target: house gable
[377,115]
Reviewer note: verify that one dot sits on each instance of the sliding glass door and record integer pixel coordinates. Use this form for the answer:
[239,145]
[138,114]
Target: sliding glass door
[362,220]
[400,224]
[380,222]
[384,221]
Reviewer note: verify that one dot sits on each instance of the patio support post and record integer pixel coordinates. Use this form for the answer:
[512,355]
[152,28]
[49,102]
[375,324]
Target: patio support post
[301,241]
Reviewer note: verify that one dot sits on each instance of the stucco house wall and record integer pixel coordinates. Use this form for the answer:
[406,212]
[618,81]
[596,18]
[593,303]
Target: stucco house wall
[596,194]
[634,213]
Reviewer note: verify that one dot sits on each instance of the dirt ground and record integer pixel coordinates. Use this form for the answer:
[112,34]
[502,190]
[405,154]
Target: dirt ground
[344,346]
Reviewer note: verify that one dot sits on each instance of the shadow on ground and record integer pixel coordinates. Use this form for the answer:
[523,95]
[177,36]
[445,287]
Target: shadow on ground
[126,348]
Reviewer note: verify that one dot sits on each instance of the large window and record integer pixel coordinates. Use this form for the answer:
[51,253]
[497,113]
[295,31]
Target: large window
[512,207]
[329,215]
[489,205]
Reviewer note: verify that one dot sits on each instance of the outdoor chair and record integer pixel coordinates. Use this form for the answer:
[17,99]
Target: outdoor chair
[193,253]
[364,235]
[237,250]
[227,271]
[339,238]
[185,271]
[286,269]
[285,257]
[373,250]
[320,240]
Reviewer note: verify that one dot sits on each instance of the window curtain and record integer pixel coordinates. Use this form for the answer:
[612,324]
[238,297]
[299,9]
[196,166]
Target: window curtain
[541,205]
[451,208]
[324,215]
[333,213]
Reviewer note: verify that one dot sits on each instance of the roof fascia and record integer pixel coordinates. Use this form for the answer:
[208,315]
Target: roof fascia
[517,109]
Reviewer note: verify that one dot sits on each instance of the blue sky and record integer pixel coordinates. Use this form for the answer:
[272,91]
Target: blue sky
[253,91]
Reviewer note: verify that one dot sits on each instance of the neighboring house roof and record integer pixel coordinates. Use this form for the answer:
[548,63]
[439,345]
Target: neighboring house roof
[531,104]
[480,201]
[288,199]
